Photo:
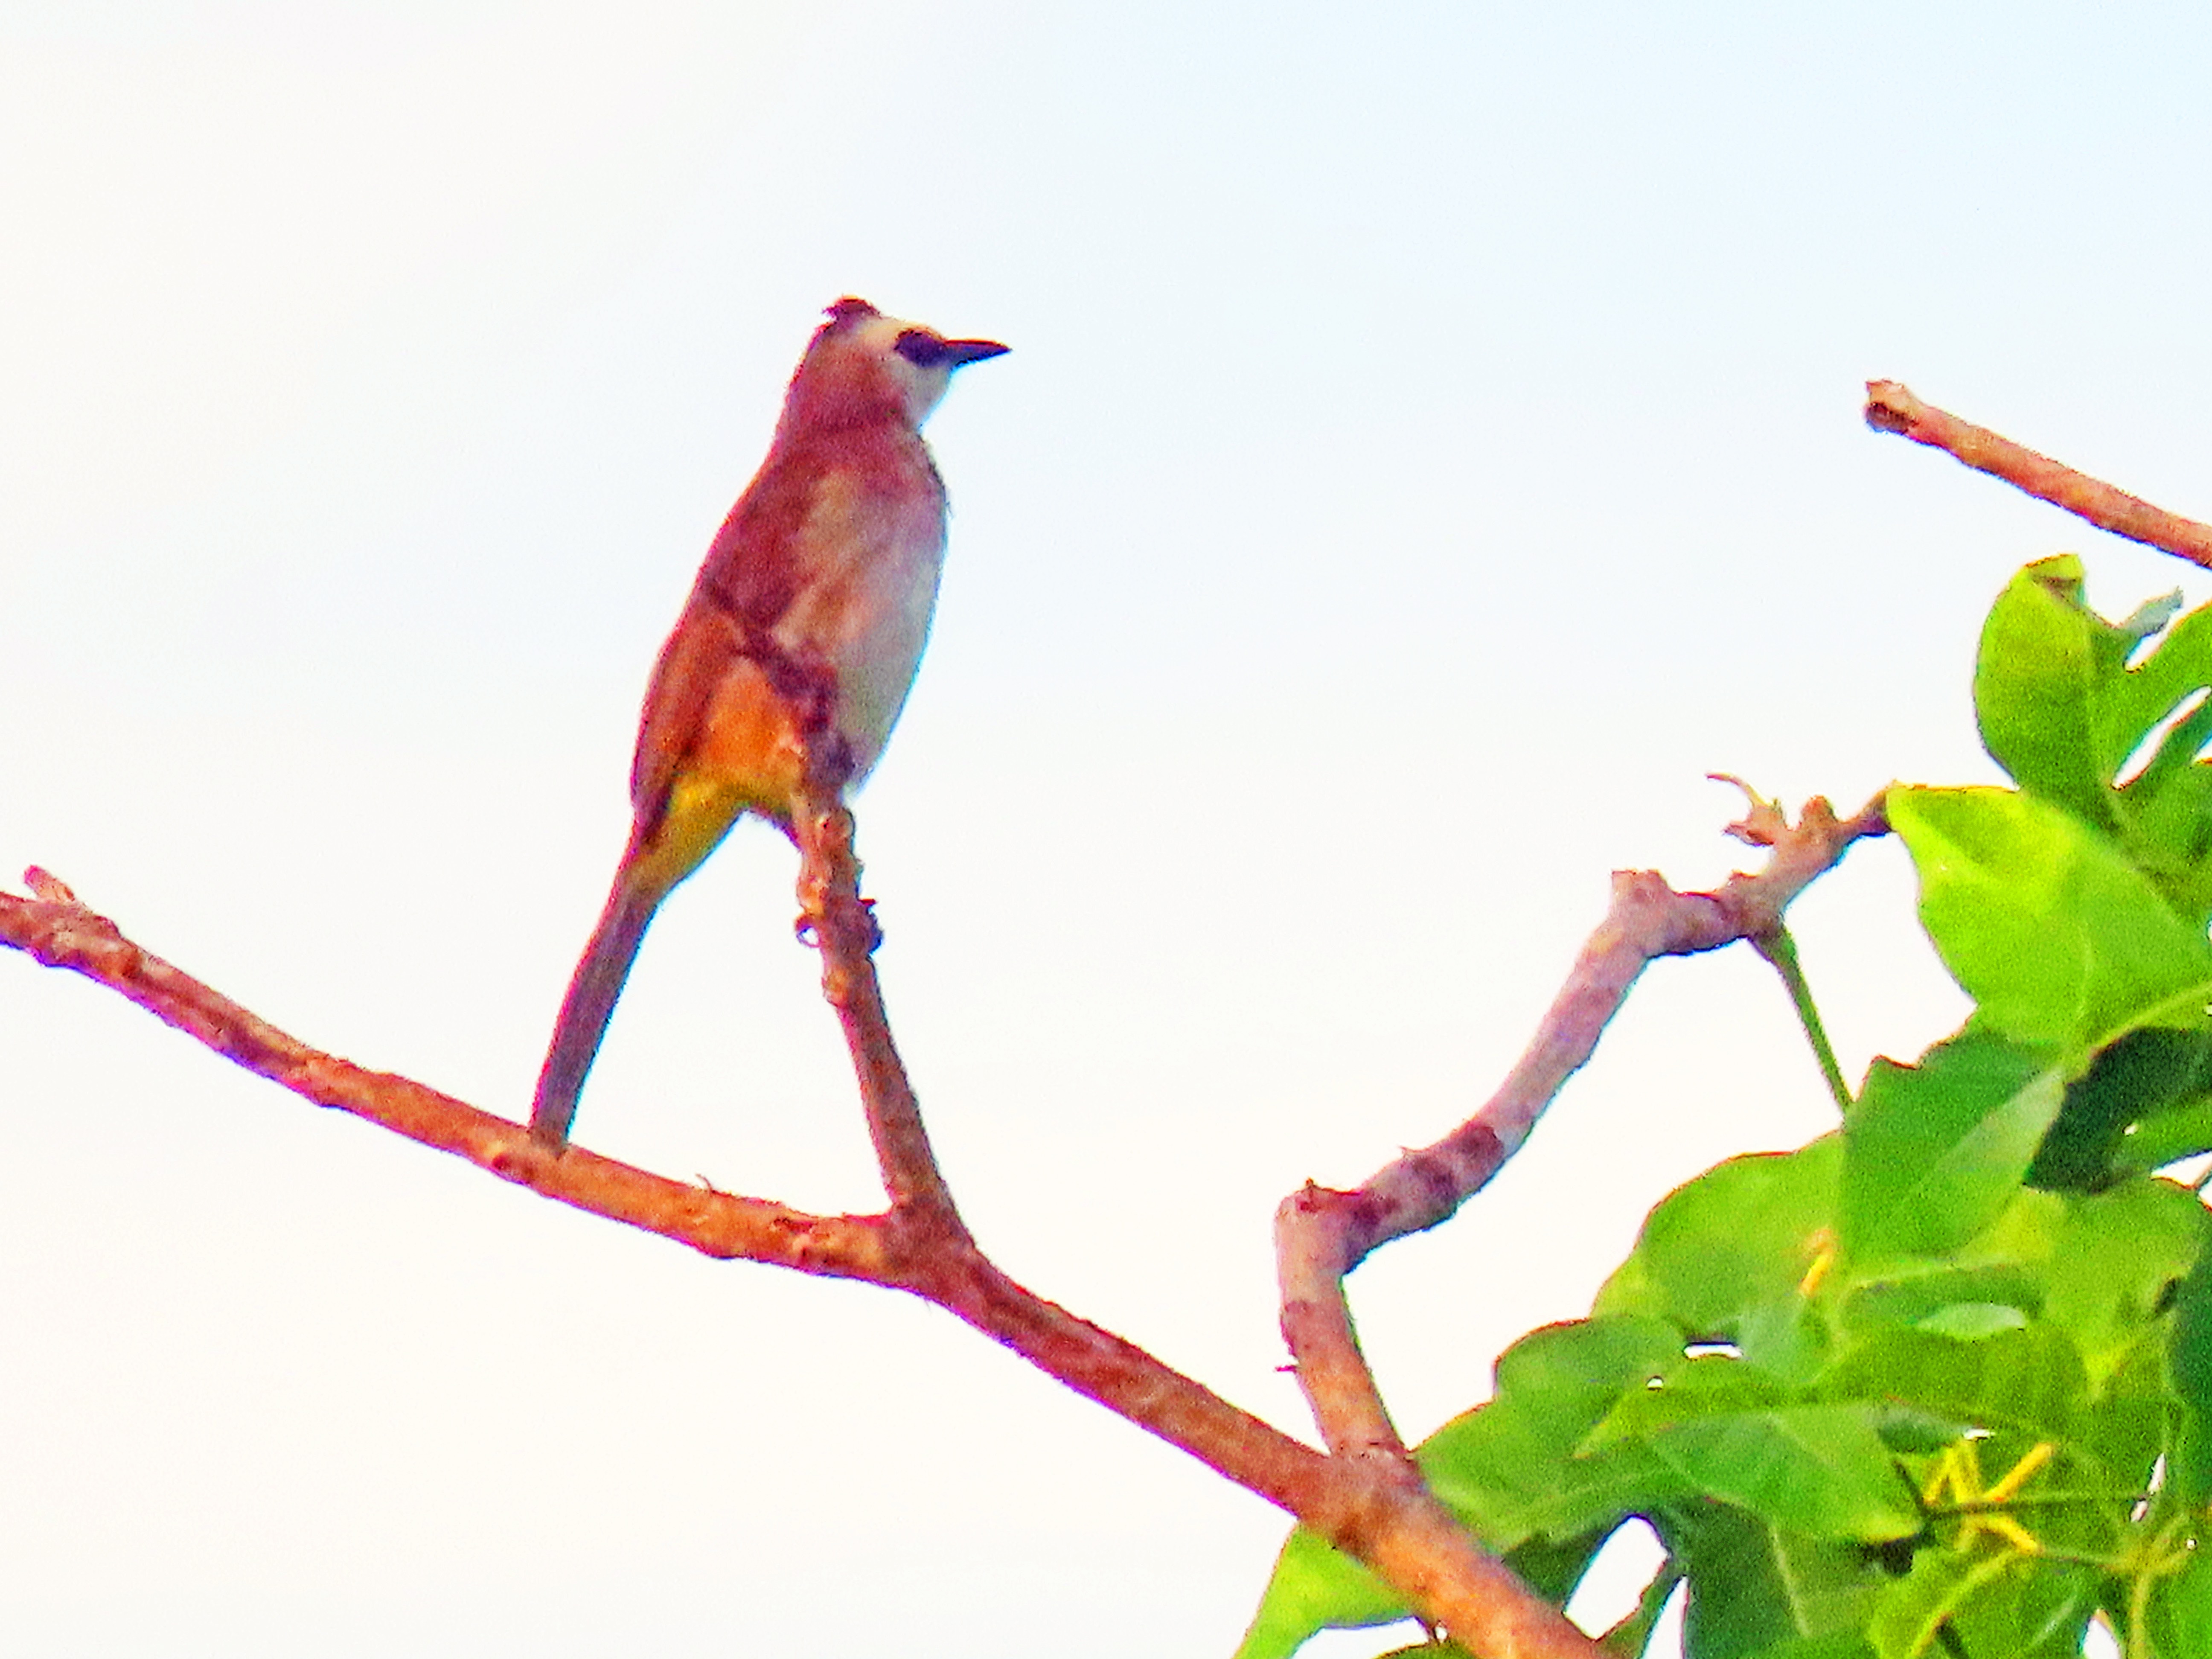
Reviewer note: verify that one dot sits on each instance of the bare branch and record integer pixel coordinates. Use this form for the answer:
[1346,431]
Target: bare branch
[1322,1233]
[62,932]
[1382,1511]
[840,922]
[918,1245]
[1891,408]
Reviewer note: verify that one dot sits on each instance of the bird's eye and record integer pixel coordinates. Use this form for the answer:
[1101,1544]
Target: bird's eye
[921,348]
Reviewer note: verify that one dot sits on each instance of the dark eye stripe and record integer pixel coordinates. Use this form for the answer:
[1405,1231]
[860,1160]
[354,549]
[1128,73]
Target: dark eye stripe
[921,348]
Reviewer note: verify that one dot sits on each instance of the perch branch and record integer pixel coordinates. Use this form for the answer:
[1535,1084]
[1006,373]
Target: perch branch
[1891,407]
[1368,1508]
[53,927]
[841,925]
[1322,1233]
[916,1245]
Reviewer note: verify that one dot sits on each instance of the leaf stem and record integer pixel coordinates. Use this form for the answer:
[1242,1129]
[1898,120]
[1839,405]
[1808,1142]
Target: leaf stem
[1631,1638]
[1781,952]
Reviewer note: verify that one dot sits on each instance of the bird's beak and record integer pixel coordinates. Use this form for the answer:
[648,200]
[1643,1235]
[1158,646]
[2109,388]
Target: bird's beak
[960,353]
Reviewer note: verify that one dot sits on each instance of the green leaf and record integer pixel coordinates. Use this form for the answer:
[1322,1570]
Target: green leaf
[1602,1490]
[2063,712]
[2044,659]
[1936,1150]
[2063,941]
[1700,1386]
[2181,1610]
[1817,1470]
[1912,1612]
[2162,809]
[1895,1294]
[1556,1383]
[1553,1567]
[2029,1380]
[2190,1365]
[2003,1263]
[1630,1638]
[2146,1073]
[1971,1320]
[1739,1436]
[2039,1610]
[1509,1469]
[1754,1588]
[2167,818]
[1315,1587]
[2181,1131]
[2115,1444]
[2118,1258]
[1837,1644]
[1724,1256]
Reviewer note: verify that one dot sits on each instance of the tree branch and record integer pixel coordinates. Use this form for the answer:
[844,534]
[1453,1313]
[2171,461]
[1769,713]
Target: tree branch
[840,922]
[1371,1509]
[916,1245]
[1891,407]
[1366,1496]
[1321,1234]
[56,929]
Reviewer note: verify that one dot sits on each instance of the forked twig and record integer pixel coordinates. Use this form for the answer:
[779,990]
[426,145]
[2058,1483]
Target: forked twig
[1322,1233]
[1364,1495]
[916,1245]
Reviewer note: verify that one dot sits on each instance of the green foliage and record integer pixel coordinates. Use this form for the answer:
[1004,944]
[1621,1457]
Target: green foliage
[1940,1382]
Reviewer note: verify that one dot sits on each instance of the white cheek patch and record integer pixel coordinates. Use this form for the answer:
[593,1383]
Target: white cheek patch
[922,389]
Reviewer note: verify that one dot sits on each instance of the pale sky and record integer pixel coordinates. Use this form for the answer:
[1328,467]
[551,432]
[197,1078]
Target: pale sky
[1430,446]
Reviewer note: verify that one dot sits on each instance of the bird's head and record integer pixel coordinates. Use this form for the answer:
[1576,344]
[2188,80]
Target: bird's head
[862,364]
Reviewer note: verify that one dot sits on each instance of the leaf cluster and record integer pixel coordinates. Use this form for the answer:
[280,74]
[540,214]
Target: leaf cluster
[1941,1382]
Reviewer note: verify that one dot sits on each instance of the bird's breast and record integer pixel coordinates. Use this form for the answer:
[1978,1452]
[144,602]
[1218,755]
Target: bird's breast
[871,548]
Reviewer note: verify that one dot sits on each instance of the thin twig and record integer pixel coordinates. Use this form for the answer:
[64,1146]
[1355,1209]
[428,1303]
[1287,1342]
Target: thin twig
[1891,407]
[1322,1233]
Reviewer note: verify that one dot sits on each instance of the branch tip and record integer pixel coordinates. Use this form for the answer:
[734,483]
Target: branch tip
[1891,407]
[1888,406]
[47,886]
[1764,822]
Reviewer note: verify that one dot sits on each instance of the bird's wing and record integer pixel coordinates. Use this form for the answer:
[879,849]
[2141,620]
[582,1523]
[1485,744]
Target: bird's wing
[754,568]
[752,572]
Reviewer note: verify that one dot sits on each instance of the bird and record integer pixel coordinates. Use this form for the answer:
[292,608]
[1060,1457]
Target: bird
[830,560]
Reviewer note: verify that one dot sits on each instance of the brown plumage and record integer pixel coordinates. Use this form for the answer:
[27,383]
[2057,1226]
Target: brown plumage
[831,555]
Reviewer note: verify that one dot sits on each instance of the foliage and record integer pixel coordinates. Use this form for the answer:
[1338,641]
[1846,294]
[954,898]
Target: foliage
[1940,1382]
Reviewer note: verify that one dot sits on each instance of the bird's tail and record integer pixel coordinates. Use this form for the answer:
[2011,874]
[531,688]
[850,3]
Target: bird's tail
[590,1003]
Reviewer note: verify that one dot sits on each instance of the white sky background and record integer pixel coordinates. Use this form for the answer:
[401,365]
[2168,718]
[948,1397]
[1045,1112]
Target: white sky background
[1431,445]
